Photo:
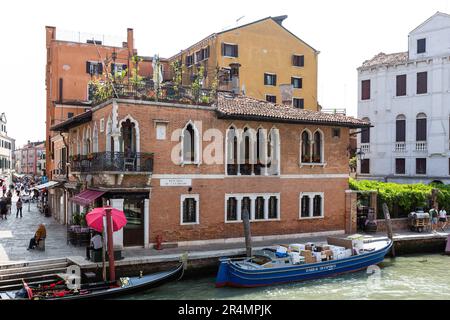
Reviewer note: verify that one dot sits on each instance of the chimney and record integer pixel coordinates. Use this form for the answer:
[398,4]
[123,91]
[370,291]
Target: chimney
[130,42]
[50,34]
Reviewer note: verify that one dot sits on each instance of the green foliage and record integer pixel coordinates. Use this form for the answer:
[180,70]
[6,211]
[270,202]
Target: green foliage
[404,197]
[136,80]
[352,163]
[177,68]
[197,83]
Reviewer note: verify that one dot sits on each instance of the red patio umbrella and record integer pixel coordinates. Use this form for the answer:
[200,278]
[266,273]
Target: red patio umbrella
[94,218]
[115,220]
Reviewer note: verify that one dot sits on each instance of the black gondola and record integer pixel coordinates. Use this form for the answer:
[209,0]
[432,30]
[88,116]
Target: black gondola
[99,290]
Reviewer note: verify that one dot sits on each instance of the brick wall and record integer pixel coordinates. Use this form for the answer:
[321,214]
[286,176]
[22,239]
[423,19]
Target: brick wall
[165,201]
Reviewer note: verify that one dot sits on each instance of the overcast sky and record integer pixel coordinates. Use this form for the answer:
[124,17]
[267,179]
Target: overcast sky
[346,33]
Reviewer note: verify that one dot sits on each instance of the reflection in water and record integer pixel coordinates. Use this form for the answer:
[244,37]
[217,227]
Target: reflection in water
[411,277]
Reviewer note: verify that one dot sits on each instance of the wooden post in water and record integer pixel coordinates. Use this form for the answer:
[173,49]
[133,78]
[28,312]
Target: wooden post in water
[387,218]
[247,233]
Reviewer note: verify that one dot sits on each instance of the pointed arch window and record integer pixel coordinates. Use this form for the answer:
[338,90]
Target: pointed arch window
[190,144]
[317,148]
[232,151]
[306,147]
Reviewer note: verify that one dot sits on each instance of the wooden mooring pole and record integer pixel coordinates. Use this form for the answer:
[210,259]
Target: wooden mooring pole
[247,233]
[387,218]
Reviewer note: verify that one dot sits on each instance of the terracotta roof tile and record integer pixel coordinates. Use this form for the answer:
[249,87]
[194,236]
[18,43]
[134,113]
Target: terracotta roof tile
[241,107]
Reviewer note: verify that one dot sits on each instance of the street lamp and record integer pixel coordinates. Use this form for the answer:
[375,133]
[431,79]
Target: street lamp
[360,154]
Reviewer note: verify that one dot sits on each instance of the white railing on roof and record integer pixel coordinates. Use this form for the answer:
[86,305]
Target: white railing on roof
[335,111]
[83,37]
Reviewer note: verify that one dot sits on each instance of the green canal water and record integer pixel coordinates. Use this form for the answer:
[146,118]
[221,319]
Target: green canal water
[408,277]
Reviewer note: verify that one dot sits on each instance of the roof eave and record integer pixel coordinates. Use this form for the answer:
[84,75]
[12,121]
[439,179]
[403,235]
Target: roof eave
[222,115]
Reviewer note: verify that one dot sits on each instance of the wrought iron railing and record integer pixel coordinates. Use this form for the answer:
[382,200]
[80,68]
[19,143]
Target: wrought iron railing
[147,91]
[112,162]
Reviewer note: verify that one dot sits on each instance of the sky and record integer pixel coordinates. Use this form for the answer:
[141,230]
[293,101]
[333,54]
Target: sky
[346,32]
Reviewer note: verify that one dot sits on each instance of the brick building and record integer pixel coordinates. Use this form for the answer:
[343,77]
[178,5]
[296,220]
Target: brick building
[188,172]
[73,60]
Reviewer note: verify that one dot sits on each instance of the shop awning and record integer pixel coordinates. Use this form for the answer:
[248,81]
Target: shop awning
[86,197]
[47,185]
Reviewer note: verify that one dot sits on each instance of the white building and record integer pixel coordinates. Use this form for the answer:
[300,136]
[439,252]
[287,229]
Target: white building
[6,147]
[406,97]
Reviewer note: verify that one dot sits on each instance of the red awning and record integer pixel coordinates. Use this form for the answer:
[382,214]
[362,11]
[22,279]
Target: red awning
[86,197]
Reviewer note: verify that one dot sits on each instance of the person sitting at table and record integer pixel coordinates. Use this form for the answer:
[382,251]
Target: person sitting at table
[41,233]
[95,245]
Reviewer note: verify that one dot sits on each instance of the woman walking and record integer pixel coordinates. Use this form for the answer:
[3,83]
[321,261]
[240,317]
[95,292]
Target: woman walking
[443,218]
[19,208]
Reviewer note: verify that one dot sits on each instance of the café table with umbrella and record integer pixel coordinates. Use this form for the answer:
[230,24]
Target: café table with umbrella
[115,220]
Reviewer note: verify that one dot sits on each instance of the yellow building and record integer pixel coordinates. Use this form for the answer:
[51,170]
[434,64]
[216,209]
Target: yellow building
[261,59]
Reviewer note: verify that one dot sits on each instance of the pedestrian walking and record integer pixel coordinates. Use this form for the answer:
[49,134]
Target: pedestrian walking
[434,219]
[9,201]
[19,207]
[4,189]
[3,208]
[443,219]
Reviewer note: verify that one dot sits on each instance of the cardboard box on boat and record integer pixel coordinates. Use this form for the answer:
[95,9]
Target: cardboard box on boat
[341,242]
[297,258]
[297,247]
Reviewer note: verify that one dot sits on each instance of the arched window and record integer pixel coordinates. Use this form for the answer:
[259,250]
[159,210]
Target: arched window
[400,128]
[190,144]
[232,151]
[95,139]
[306,147]
[365,133]
[421,127]
[317,147]
[274,147]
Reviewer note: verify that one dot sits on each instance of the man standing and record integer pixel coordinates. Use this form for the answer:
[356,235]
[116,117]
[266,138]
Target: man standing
[95,245]
[434,219]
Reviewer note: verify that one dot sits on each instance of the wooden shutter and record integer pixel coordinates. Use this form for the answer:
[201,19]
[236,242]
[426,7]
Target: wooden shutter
[223,48]
[88,67]
[400,131]
[422,82]
[365,135]
[365,166]
[365,90]
[274,79]
[302,61]
[421,129]
[265,78]
[401,85]
[400,166]
[235,53]
[100,68]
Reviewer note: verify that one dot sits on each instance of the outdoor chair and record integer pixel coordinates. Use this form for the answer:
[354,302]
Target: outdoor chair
[41,245]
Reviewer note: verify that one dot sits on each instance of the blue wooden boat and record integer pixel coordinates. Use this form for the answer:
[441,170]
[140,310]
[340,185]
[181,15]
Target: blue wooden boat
[265,268]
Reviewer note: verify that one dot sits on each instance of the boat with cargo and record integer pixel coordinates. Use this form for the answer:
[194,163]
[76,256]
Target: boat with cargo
[299,262]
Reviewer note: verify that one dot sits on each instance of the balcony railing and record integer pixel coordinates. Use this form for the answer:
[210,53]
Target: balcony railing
[421,146]
[165,93]
[400,147]
[365,147]
[112,162]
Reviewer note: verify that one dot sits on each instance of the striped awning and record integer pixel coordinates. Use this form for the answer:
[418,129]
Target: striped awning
[86,197]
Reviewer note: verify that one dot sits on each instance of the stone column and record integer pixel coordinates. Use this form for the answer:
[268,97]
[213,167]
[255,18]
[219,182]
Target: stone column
[239,207]
[350,211]
[266,207]
[118,235]
[252,207]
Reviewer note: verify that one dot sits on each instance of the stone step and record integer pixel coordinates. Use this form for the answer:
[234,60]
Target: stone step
[27,274]
[31,263]
[19,270]
[13,284]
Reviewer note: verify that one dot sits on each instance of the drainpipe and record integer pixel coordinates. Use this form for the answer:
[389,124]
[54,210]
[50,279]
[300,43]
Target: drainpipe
[67,154]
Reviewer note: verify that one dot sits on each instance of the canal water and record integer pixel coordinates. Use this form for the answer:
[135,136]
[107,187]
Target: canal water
[409,277]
